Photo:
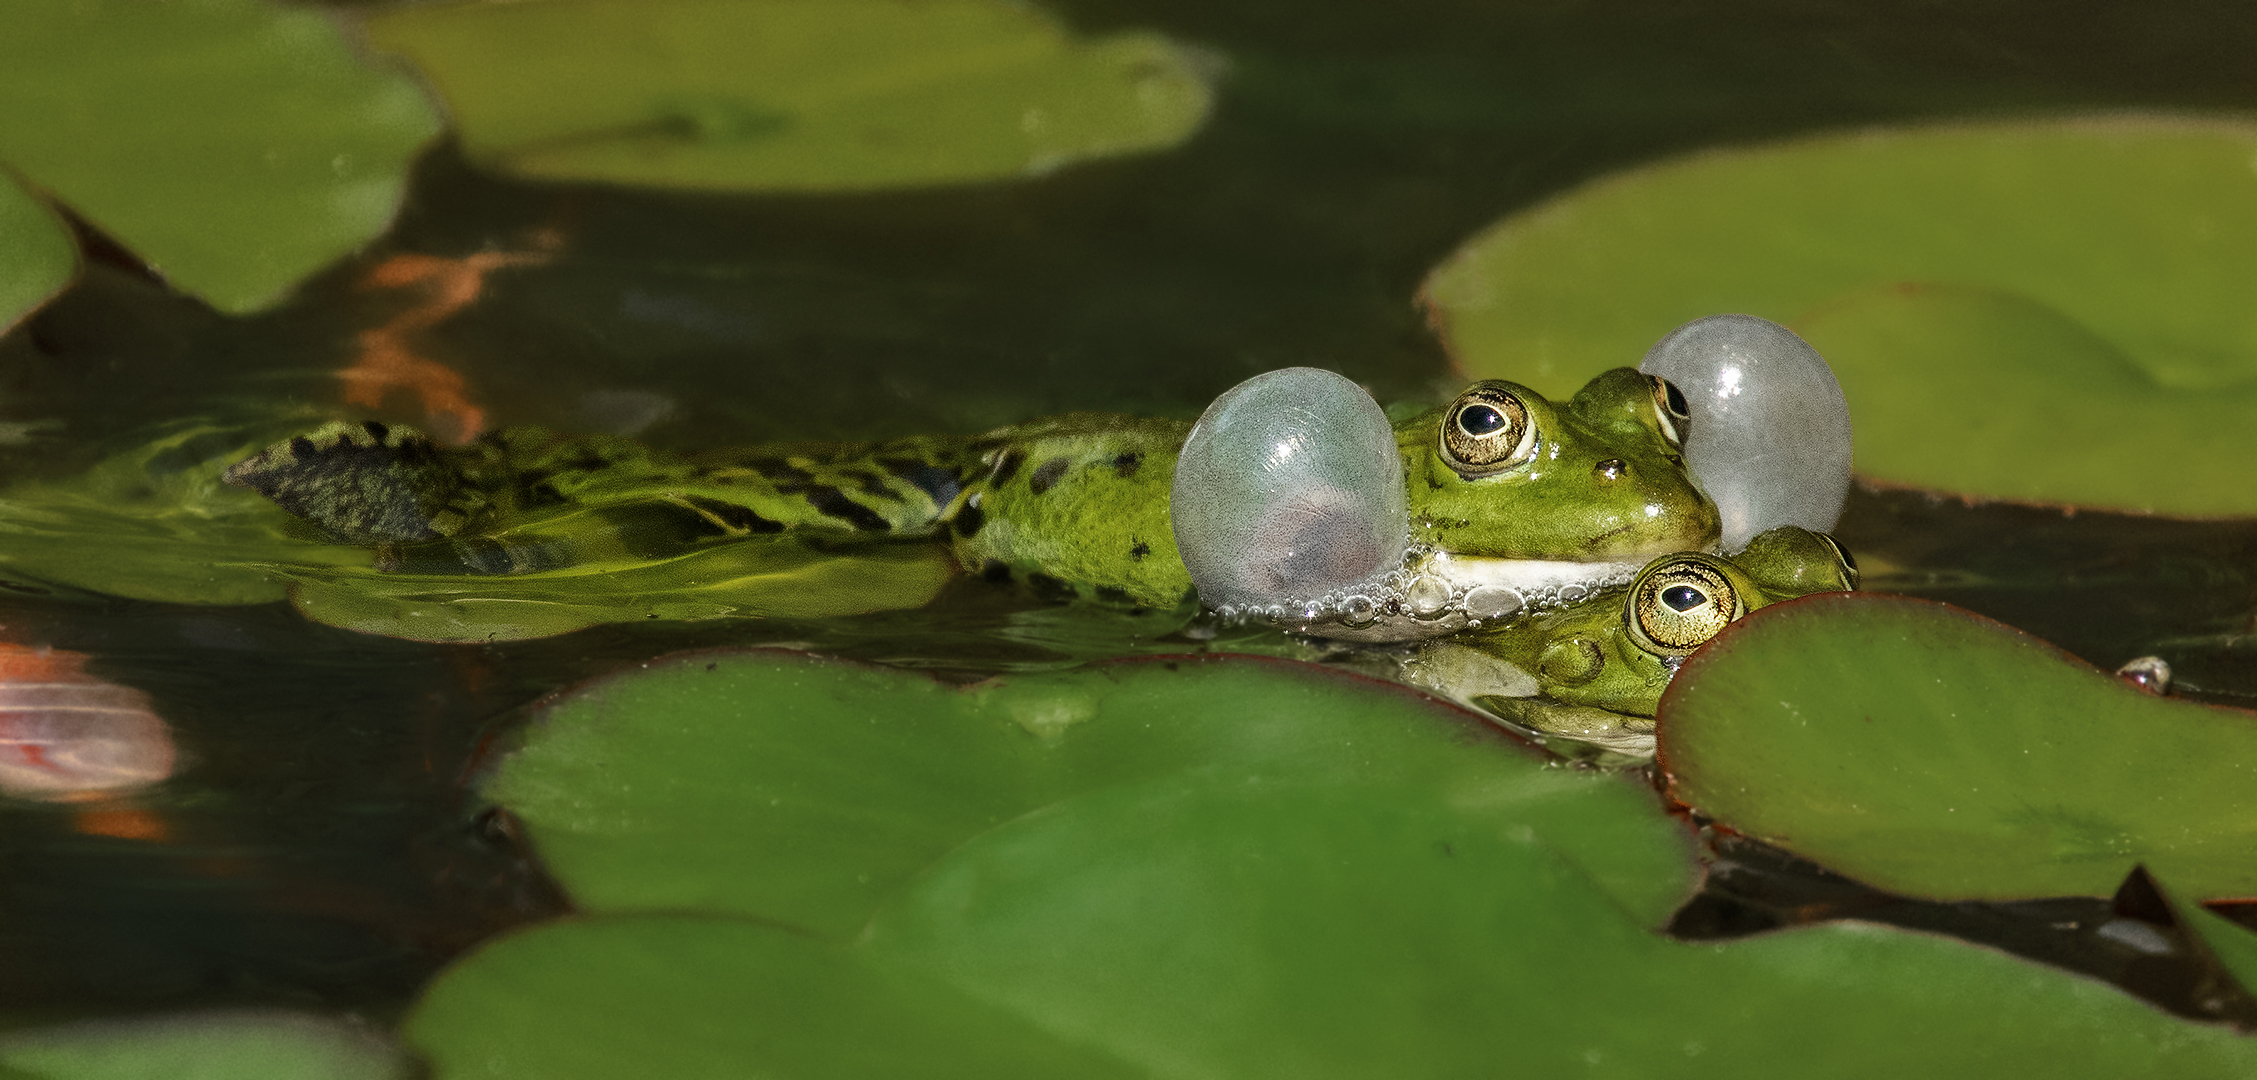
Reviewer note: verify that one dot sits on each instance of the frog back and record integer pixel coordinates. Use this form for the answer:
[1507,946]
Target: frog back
[1079,500]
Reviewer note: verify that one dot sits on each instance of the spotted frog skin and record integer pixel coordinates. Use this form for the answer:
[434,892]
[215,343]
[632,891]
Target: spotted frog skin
[1076,504]
[1585,679]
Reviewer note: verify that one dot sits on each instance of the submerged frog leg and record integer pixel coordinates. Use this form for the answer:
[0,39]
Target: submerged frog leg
[364,483]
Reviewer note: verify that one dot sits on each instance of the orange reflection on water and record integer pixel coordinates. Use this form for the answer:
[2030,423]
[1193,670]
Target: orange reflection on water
[67,736]
[123,823]
[388,359]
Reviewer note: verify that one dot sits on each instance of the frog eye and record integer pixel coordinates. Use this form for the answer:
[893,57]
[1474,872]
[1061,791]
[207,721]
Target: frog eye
[1849,561]
[1486,430]
[1678,604]
[1670,409]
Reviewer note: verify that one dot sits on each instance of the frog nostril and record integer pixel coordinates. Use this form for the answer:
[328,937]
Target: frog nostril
[1613,468]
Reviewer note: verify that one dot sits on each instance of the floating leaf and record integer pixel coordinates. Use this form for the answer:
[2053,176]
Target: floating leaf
[1201,926]
[1928,751]
[248,1045]
[806,791]
[235,145]
[36,255]
[685,997]
[1320,932]
[2116,241]
[755,577]
[792,95]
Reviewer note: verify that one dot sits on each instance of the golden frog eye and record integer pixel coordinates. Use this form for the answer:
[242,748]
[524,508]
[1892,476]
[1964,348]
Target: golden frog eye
[1486,430]
[1670,409]
[1678,604]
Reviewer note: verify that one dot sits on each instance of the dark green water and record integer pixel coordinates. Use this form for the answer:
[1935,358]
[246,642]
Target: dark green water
[323,848]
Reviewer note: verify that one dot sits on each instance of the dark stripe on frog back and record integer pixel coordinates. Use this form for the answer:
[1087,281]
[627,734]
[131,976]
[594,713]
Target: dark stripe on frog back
[1047,475]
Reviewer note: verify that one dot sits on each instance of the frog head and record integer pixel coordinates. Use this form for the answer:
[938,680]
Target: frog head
[1591,673]
[1295,499]
[1502,473]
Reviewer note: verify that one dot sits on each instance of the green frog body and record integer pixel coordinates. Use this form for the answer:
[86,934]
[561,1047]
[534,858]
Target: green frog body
[1586,678]
[1502,491]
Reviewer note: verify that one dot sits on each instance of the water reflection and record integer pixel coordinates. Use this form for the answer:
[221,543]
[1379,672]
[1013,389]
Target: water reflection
[67,736]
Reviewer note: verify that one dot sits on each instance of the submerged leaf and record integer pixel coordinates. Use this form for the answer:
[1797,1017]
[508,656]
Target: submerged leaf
[807,791]
[1927,751]
[235,145]
[36,255]
[2117,239]
[792,95]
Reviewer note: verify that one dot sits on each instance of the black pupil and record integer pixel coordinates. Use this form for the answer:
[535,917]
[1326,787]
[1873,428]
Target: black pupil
[1480,420]
[1682,597]
[1675,398]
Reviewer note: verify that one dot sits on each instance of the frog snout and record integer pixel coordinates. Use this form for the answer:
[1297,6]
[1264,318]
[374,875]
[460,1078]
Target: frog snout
[1610,470]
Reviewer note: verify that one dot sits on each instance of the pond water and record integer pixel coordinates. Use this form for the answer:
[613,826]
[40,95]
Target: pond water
[319,845]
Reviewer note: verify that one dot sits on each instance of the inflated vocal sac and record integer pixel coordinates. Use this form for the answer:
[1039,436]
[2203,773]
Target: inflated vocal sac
[1769,434]
[1288,496]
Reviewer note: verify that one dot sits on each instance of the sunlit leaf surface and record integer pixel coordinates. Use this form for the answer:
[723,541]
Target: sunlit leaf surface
[792,95]
[36,255]
[2104,259]
[271,1045]
[806,791]
[1928,751]
[1184,927]
[235,145]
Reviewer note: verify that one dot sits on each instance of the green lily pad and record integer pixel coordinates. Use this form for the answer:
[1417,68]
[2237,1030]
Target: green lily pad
[1929,751]
[2116,240]
[806,791]
[792,95]
[39,258]
[1213,931]
[685,997]
[235,145]
[258,1045]
[757,577]
[156,523]
[1185,927]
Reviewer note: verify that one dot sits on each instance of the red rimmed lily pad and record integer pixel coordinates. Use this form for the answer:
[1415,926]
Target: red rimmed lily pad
[1928,751]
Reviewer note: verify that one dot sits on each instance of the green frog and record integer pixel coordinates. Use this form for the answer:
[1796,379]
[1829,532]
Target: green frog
[1496,503]
[1585,679]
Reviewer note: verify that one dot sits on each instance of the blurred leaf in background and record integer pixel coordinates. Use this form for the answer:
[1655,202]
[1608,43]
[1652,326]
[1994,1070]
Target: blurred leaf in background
[2089,276]
[235,146]
[792,95]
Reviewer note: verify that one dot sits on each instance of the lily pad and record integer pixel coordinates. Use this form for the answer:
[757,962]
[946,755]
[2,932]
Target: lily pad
[756,577]
[792,95]
[1180,927]
[685,997]
[2115,239]
[39,259]
[234,145]
[1928,751]
[806,791]
[244,1045]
